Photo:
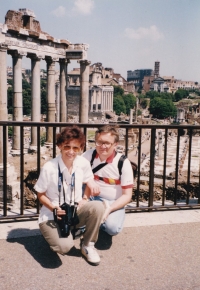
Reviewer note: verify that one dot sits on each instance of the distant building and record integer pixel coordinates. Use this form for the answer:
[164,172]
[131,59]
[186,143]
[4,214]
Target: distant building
[101,82]
[137,76]
[9,71]
[147,81]
[171,82]
[175,84]
[187,85]
[159,85]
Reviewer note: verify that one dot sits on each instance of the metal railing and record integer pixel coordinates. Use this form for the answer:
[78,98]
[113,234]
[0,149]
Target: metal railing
[147,139]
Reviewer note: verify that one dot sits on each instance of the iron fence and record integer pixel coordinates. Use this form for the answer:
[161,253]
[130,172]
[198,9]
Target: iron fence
[168,159]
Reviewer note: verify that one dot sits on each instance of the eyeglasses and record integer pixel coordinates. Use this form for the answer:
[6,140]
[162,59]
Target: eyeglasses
[74,148]
[106,144]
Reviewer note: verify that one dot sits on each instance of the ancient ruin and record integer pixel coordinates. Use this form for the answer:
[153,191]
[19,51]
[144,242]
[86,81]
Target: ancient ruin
[21,36]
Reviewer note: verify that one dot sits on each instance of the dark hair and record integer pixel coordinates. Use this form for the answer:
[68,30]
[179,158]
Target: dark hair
[112,129]
[70,133]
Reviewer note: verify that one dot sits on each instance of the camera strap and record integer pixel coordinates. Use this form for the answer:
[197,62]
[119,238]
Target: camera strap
[60,185]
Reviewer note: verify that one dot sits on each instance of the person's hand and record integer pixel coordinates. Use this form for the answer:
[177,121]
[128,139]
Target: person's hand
[94,188]
[60,212]
[107,210]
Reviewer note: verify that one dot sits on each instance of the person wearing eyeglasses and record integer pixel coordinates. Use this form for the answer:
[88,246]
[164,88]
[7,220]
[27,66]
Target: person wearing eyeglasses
[115,189]
[60,182]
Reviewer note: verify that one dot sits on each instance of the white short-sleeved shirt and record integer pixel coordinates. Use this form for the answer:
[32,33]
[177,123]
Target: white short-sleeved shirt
[48,182]
[112,191]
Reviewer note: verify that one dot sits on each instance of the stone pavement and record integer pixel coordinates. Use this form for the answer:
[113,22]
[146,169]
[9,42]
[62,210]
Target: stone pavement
[159,250]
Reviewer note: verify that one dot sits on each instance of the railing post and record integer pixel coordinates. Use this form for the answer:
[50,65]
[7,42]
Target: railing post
[151,173]
[177,167]
[189,164]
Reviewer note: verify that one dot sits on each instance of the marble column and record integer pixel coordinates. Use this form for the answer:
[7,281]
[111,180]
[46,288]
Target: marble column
[57,92]
[13,186]
[102,95]
[3,96]
[50,98]
[91,105]
[97,96]
[112,100]
[101,100]
[94,100]
[104,104]
[84,91]
[63,90]
[17,99]
[35,99]
[106,101]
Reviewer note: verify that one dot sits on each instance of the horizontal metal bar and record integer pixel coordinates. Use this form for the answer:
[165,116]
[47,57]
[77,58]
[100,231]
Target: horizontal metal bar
[150,207]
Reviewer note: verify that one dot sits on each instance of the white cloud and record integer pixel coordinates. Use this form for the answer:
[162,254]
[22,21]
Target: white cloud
[142,32]
[59,12]
[83,6]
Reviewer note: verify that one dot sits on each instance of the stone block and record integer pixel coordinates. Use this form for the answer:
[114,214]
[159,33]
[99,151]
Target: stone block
[13,192]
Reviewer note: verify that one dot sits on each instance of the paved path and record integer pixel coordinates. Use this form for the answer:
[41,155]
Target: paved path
[158,251]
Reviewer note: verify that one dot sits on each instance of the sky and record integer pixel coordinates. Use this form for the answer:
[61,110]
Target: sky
[124,34]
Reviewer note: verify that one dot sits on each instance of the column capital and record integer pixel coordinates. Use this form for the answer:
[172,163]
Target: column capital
[84,62]
[35,56]
[64,61]
[3,46]
[17,53]
[51,59]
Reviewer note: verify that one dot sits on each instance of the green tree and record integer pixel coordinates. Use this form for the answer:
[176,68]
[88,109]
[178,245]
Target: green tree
[143,103]
[162,95]
[181,94]
[43,102]
[10,100]
[26,93]
[10,131]
[129,101]
[118,91]
[152,94]
[25,85]
[26,102]
[141,96]
[162,108]
[10,82]
[43,85]
[118,105]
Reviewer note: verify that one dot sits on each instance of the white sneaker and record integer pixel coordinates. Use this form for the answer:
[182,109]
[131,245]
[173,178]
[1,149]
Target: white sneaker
[90,254]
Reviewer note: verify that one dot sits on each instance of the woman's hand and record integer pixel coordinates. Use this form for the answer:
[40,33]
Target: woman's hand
[59,212]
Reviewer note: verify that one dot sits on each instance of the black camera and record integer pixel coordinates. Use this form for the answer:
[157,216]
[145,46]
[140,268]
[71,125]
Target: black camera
[67,220]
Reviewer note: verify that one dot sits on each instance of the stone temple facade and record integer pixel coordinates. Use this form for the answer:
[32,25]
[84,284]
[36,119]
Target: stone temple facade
[100,91]
[101,82]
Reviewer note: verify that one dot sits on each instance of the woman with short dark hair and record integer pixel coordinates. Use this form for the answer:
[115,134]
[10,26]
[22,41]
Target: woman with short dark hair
[60,184]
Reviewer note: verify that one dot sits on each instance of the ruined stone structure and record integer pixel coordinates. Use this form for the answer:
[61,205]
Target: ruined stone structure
[100,91]
[101,82]
[21,36]
[180,115]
